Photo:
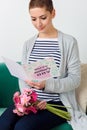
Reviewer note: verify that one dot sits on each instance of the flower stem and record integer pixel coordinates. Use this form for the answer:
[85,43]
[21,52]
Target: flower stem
[58,112]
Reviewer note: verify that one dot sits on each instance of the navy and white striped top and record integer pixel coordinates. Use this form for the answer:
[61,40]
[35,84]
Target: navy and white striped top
[44,48]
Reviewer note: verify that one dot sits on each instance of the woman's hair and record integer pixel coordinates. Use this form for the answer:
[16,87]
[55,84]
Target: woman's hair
[48,4]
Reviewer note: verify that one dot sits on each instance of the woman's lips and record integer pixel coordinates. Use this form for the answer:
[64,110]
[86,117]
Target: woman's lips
[41,28]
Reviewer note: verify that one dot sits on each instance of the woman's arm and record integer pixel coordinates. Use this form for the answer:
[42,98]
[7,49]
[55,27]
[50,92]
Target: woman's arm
[72,73]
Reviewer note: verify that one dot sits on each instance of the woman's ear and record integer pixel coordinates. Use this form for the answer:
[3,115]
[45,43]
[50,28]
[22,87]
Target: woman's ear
[53,13]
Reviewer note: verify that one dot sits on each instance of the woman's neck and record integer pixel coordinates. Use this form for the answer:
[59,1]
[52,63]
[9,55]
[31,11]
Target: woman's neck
[52,33]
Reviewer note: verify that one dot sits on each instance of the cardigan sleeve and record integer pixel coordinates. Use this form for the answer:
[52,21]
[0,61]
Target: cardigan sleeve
[27,47]
[71,79]
[22,83]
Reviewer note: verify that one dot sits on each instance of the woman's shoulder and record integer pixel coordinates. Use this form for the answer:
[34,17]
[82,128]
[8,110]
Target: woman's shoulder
[28,43]
[31,39]
[69,42]
[67,37]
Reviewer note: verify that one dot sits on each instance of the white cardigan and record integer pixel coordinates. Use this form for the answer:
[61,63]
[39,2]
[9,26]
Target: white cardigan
[70,74]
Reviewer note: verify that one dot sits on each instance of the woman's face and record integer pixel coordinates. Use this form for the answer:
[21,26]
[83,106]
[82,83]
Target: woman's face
[41,19]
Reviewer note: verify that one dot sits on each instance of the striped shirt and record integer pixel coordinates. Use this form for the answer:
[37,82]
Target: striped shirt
[44,48]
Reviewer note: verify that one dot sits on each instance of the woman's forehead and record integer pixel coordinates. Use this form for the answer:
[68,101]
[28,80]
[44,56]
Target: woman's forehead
[38,12]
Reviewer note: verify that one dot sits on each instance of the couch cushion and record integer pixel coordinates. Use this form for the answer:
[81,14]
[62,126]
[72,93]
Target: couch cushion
[64,126]
[8,85]
[2,110]
[81,92]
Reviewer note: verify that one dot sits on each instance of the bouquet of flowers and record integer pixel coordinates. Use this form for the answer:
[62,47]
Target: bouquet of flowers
[27,102]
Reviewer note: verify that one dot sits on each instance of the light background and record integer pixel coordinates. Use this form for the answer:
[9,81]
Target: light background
[16,26]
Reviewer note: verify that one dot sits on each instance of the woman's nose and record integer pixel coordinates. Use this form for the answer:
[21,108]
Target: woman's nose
[39,24]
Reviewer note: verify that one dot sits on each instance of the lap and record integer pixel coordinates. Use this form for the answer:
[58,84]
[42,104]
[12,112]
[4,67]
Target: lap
[41,120]
[8,119]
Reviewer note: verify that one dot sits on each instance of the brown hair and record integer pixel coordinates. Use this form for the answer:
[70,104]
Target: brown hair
[48,4]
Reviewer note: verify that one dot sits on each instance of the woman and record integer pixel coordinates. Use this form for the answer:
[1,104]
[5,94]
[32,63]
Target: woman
[49,42]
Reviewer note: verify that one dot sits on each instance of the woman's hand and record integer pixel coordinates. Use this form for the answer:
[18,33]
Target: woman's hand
[41,105]
[37,85]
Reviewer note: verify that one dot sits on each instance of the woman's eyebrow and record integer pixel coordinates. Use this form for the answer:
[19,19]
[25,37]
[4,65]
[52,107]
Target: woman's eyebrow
[43,15]
[39,16]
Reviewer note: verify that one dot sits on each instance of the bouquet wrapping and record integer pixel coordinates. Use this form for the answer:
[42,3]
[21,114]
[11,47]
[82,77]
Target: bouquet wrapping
[27,102]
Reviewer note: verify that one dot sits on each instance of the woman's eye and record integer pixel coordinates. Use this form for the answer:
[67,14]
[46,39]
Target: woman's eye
[33,19]
[43,18]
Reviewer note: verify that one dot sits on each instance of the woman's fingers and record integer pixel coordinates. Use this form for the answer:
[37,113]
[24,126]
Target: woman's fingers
[37,85]
[41,105]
